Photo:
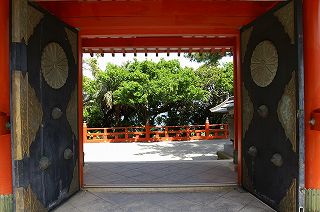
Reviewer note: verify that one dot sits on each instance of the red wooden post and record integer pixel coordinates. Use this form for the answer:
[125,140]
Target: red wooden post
[148,132]
[177,132]
[137,136]
[117,135]
[85,133]
[5,138]
[311,11]
[105,135]
[166,133]
[157,134]
[207,128]
[188,132]
[126,134]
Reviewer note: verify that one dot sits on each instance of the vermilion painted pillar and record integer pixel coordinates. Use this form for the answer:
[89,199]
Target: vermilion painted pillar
[311,11]
[5,139]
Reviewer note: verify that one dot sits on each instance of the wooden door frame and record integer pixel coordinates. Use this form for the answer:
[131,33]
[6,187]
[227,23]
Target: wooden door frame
[237,115]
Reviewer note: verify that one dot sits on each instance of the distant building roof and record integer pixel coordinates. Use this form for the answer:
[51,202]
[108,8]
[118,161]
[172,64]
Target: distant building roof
[224,107]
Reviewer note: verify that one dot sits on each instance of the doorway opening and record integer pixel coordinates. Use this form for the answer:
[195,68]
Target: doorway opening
[179,142]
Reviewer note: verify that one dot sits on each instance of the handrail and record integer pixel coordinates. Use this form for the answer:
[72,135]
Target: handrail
[155,133]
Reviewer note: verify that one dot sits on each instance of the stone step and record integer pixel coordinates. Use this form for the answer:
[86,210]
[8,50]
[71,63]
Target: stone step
[161,188]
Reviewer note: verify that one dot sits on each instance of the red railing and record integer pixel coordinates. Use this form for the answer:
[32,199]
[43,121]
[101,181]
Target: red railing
[155,134]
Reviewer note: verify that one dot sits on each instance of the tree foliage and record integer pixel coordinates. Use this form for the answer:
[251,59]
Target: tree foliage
[137,93]
[140,92]
[208,58]
[218,81]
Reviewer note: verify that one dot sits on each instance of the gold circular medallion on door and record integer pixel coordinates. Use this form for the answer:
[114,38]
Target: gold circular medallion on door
[54,65]
[264,63]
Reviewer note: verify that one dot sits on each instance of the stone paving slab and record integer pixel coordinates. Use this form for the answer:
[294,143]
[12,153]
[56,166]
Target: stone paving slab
[158,151]
[162,163]
[159,173]
[226,200]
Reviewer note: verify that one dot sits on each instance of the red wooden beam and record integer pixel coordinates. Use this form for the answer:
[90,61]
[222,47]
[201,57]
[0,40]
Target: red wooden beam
[98,18]
[88,32]
[150,50]
[167,21]
[156,8]
[153,42]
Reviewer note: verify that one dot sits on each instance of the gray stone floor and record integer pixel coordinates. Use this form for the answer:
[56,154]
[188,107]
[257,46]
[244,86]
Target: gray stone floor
[158,151]
[160,173]
[226,200]
[170,163]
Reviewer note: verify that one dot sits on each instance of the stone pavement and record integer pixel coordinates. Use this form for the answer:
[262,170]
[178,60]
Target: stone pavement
[159,164]
[160,173]
[160,151]
[225,200]
[162,163]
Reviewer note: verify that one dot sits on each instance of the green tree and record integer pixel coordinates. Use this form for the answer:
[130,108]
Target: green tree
[218,81]
[138,92]
[208,58]
[92,112]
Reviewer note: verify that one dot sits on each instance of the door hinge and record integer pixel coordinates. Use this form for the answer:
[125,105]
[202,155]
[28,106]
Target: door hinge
[299,113]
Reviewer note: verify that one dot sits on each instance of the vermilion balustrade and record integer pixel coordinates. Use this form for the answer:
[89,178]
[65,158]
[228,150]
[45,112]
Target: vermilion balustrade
[155,133]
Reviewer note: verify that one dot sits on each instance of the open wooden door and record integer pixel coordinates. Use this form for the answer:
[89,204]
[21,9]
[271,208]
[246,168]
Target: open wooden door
[45,108]
[270,105]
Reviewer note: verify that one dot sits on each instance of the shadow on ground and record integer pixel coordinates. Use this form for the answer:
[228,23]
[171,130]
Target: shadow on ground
[195,150]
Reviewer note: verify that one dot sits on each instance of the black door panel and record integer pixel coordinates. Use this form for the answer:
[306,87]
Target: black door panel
[49,173]
[269,65]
